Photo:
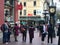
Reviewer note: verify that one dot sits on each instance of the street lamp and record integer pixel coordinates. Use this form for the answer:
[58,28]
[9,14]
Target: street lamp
[45,10]
[45,13]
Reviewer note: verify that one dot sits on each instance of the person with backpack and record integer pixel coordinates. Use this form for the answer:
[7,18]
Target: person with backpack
[4,29]
[23,29]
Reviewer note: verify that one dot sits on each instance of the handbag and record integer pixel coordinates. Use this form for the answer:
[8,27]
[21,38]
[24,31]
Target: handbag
[22,30]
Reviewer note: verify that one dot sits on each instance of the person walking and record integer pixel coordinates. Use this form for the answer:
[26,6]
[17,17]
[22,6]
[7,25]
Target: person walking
[40,29]
[15,30]
[58,34]
[9,31]
[50,33]
[43,32]
[23,29]
[4,29]
[31,33]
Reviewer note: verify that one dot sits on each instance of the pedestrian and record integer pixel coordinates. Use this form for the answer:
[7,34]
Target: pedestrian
[4,29]
[50,33]
[23,29]
[58,34]
[9,31]
[40,29]
[16,32]
[31,33]
[43,32]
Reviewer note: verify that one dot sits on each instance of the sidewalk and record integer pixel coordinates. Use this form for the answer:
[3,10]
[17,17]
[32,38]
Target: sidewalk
[36,40]
[0,34]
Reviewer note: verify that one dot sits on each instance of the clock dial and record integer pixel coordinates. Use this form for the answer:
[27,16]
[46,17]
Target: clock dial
[52,10]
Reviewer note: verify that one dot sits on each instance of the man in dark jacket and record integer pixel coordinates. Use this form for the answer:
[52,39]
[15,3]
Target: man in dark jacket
[50,33]
[40,29]
[58,33]
[31,33]
[4,29]
[23,29]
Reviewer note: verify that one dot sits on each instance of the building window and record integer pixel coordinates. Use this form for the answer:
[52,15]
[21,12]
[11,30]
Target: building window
[11,2]
[24,3]
[34,3]
[7,2]
[24,12]
[7,12]
[34,12]
[20,12]
[20,2]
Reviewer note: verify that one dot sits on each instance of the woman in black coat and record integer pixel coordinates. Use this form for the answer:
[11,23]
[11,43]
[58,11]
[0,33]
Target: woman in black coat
[58,33]
[31,33]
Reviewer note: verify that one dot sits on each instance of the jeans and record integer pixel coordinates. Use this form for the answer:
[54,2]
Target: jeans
[5,37]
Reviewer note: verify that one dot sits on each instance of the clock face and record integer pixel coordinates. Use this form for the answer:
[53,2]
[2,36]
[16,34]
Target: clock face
[52,10]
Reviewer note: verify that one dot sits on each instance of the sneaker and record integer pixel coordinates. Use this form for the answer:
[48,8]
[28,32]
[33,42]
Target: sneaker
[16,40]
[6,42]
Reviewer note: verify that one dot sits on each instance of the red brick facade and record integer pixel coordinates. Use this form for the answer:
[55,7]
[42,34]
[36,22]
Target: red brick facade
[1,12]
[15,12]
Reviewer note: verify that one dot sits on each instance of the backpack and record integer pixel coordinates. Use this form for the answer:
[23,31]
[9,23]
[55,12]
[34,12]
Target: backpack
[22,29]
[2,27]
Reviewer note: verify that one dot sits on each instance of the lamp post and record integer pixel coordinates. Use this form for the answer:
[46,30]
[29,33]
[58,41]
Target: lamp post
[45,10]
[45,13]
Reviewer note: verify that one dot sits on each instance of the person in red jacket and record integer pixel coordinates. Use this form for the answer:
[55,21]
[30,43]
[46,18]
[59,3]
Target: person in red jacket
[16,33]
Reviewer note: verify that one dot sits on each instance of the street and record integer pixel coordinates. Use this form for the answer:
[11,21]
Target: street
[36,40]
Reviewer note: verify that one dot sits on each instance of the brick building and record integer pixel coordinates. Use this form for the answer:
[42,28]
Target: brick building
[1,11]
[8,11]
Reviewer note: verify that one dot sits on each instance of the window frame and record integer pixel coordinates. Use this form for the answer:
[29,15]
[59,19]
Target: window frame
[34,3]
[34,12]
[24,4]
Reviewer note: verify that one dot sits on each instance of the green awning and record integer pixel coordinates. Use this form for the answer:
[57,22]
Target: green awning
[32,18]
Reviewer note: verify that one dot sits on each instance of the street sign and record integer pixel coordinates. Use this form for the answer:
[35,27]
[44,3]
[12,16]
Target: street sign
[30,14]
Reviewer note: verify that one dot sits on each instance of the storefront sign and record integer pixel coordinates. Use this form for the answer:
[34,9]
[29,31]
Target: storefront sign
[29,14]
